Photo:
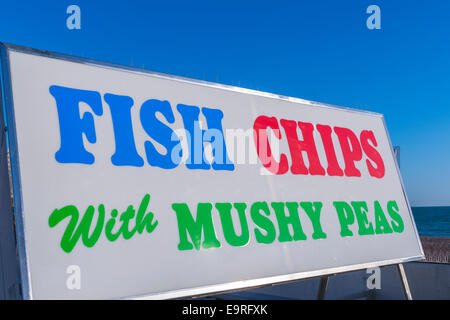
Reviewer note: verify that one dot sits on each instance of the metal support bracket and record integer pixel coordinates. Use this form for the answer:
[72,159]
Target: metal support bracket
[322,287]
[405,284]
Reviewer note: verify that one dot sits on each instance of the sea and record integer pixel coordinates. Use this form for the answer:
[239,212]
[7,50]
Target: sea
[432,221]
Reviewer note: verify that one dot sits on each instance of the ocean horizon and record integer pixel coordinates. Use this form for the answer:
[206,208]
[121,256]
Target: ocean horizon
[432,221]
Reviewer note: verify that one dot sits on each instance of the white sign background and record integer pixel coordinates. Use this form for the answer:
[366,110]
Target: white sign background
[151,265]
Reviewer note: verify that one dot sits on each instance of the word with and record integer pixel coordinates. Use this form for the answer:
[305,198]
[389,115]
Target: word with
[75,230]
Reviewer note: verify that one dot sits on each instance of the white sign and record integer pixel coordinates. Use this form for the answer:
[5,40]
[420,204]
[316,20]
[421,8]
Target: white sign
[136,184]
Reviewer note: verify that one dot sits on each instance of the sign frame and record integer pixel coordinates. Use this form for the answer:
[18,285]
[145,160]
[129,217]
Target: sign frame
[11,140]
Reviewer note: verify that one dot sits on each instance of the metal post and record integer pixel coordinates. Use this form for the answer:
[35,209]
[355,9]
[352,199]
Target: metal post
[322,288]
[405,284]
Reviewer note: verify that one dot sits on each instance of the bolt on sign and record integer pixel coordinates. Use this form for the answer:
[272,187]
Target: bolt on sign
[156,186]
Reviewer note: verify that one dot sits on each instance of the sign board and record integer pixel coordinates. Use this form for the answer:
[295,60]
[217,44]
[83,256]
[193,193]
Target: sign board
[131,184]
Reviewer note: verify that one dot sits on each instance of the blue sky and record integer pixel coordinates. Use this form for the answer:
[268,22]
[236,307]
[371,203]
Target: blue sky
[315,50]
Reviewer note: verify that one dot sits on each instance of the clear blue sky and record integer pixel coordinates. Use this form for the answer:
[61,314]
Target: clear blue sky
[316,50]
